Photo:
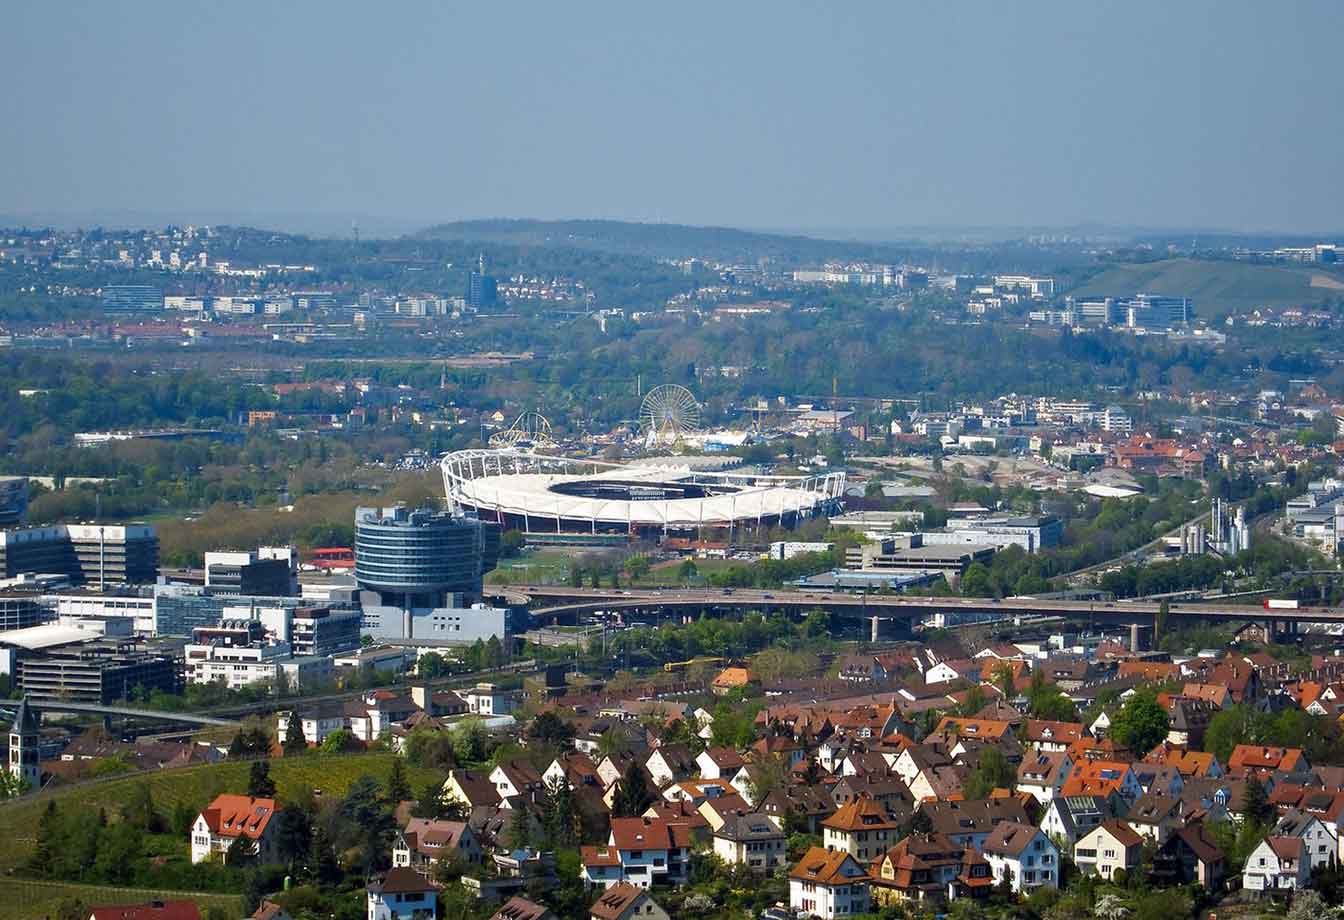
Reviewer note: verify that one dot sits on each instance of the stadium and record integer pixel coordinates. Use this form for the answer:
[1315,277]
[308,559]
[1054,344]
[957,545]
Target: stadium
[541,494]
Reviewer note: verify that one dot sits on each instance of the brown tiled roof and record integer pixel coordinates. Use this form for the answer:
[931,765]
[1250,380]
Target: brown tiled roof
[615,901]
[824,867]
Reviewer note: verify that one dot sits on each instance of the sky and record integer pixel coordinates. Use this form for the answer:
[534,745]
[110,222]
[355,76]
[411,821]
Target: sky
[769,115]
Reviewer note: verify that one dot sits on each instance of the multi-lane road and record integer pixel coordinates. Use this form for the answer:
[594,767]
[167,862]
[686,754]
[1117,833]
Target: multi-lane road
[558,603]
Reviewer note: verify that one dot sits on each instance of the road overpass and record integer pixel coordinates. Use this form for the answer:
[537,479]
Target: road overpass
[563,604]
[124,712]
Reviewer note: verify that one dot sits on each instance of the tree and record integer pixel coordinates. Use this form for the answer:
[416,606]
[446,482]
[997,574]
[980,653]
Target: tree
[259,782]
[518,834]
[431,665]
[1110,907]
[1258,809]
[44,850]
[633,797]
[295,743]
[560,819]
[398,786]
[293,834]
[241,852]
[1141,724]
[468,738]
[765,776]
[992,772]
[1003,679]
[139,812]
[549,728]
[322,858]
[339,741]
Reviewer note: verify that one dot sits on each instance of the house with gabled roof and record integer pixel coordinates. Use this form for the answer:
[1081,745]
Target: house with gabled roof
[1108,848]
[1042,735]
[828,884]
[1043,774]
[1156,817]
[516,777]
[718,763]
[520,908]
[804,807]
[1190,855]
[969,823]
[624,901]
[1068,819]
[669,763]
[929,867]
[1321,841]
[471,788]
[1102,777]
[863,828]
[1278,864]
[641,851]
[752,840]
[401,894]
[1022,856]
[425,841]
[232,817]
[1263,760]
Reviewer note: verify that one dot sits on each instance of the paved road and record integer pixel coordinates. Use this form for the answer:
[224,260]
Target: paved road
[573,601]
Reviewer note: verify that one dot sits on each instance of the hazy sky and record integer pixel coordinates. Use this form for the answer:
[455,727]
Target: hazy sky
[772,114]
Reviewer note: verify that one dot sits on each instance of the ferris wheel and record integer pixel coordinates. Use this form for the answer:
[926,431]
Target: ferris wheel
[668,412]
[529,431]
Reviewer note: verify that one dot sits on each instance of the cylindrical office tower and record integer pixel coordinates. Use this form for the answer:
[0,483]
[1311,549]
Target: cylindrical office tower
[418,557]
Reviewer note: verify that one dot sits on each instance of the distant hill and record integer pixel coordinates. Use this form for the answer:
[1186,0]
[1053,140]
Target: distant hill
[1219,288]
[664,241]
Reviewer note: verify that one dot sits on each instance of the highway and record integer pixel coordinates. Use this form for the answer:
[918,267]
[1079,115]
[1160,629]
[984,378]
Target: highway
[567,603]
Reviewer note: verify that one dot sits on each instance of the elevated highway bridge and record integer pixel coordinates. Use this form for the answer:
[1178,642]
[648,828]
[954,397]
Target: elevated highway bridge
[565,605]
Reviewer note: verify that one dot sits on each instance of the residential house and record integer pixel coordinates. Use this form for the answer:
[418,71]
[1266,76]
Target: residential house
[626,902]
[863,829]
[1188,720]
[1040,735]
[471,788]
[425,841]
[969,823]
[800,807]
[402,894]
[750,839]
[230,818]
[828,884]
[1278,864]
[1102,777]
[929,867]
[1022,856]
[1156,817]
[1043,774]
[1069,819]
[1190,764]
[718,763]
[641,851]
[1108,848]
[1158,778]
[514,778]
[1190,855]
[670,763]
[520,908]
[1321,842]
[1265,760]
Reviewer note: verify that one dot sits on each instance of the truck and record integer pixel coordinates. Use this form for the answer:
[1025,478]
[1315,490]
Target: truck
[1276,604]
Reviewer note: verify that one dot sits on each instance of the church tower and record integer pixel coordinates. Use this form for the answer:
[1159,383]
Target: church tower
[23,743]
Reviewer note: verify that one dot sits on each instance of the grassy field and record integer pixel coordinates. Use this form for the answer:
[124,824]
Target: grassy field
[37,900]
[1218,288]
[668,573]
[196,786]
